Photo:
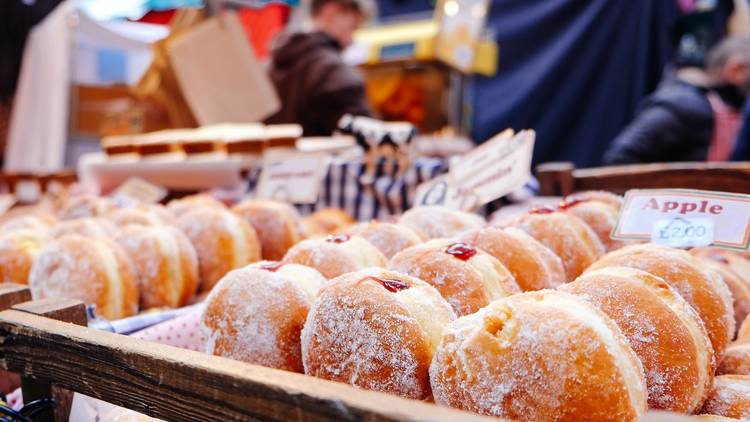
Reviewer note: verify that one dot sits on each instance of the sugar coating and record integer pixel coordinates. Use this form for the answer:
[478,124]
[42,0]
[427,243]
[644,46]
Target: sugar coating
[91,227]
[18,250]
[601,217]
[730,397]
[277,225]
[333,259]
[389,238]
[435,222]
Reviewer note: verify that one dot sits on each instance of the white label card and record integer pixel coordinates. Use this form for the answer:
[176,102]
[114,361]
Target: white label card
[441,191]
[138,190]
[292,177]
[685,218]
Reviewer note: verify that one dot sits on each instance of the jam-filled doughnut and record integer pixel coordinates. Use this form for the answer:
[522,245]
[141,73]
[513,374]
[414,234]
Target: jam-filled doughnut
[467,277]
[165,262]
[701,287]
[326,221]
[539,356]
[335,255]
[90,227]
[565,234]
[661,327]
[256,314]
[377,330]
[18,250]
[600,216]
[222,240]
[434,222]
[389,238]
[276,223]
[181,206]
[730,397]
[93,270]
[533,265]
[732,260]
[608,198]
[735,360]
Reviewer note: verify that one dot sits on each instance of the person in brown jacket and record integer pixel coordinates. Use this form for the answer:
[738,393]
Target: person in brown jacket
[314,84]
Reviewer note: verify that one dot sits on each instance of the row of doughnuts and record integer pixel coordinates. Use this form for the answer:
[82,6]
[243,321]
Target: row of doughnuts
[642,326]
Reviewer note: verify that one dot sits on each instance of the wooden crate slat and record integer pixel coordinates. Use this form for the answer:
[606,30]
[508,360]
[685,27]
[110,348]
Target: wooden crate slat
[182,385]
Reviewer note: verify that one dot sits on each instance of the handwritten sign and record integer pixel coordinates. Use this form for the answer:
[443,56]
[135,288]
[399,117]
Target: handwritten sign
[685,218]
[441,191]
[292,177]
[136,190]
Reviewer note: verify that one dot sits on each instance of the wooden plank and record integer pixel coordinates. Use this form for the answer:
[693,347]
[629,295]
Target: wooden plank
[12,294]
[181,385]
[61,309]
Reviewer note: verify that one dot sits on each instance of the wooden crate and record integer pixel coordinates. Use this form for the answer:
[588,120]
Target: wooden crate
[45,342]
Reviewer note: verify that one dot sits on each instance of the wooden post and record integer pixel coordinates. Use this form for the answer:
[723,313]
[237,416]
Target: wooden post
[555,179]
[11,294]
[65,310]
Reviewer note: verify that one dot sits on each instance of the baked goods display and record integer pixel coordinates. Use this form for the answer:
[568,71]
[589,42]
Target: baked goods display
[18,250]
[93,270]
[375,329]
[533,265]
[657,322]
[468,278]
[276,224]
[702,288]
[222,240]
[730,397]
[389,238]
[435,222]
[256,314]
[335,255]
[165,262]
[541,356]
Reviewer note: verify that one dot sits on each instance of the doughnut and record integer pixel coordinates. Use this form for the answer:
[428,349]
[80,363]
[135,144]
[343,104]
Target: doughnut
[730,259]
[730,397]
[702,288]
[735,360]
[144,216]
[377,330]
[389,238]
[539,356]
[467,277]
[533,265]
[93,270]
[336,254]
[598,196]
[276,223]
[565,234]
[89,227]
[664,331]
[435,222]
[739,289]
[600,216]
[743,334]
[27,222]
[178,207]
[255,314]
[222,240]
[18,249]
[165,262]
[86,206]
[713,418]
[326,221]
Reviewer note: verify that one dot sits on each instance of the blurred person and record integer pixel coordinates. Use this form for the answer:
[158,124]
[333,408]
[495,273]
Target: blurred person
[315,86]
[742,150]
[695,117]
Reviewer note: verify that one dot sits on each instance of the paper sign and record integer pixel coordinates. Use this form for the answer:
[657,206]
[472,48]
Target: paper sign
[441,191]
[495,168]
[292,177]
[668,215]
[140,191]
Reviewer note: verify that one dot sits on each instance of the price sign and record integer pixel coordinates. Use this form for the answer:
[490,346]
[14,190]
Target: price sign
[441,191]
[136,190]
[292,177]
[685,218]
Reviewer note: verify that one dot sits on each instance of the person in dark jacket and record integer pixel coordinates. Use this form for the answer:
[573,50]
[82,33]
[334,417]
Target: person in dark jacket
[742,150]
[692,118]
[314,84]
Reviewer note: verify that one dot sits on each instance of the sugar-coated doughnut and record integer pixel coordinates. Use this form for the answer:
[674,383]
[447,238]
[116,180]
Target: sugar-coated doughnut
[434,222]
[533,265]
[713,418]
[600,216]
[18,250]
[27,222]
[701,287]
[539,356]
[166,264]
[256,314]
[375,329]
[277,224]
[609,198]
[730,397]
[389,238]
[326,221]
[743,334]
[467,277]
[143,216]
[739,289]
[222,240]
[336,254]
[86,206]
[733,260]
[661,327]
[735,360]
[178,207]
[90,227]
[93,270]
[565,234]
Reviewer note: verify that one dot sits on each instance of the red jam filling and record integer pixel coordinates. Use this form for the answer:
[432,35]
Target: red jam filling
[572,202]
[338,238]
[461,251]
[271,266]
[542,210]
[390,284]
[719,258]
